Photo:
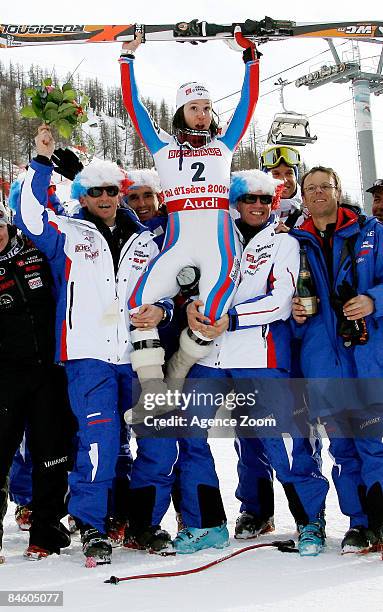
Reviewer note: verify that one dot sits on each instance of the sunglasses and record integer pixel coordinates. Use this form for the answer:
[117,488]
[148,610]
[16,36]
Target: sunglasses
[274,156]
[110,190]
[251,198]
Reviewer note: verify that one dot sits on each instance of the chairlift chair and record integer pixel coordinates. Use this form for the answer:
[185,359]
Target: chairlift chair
[290,128]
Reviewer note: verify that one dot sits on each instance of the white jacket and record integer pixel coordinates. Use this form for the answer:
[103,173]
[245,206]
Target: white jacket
[92,318]
[269,270]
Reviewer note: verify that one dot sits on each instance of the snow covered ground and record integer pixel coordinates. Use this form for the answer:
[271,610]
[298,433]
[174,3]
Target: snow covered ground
[259,580]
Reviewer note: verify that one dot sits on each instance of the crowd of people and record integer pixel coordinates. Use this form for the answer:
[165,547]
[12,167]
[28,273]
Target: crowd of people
[165,288]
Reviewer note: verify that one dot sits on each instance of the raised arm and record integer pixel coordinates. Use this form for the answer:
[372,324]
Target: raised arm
[152,136]
[32,214]
[243,113]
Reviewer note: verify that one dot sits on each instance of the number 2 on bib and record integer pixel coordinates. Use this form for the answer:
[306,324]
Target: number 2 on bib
[199,167]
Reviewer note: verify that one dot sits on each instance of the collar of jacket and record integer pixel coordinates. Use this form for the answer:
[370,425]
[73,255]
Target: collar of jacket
[250,234]
[123,215]
[14,246]
[346,223]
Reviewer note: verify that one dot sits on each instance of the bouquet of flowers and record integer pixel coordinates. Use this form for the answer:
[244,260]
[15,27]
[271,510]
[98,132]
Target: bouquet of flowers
[61,107]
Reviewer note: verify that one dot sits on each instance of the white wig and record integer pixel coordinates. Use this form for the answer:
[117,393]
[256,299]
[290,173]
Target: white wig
[251,181]
[145,177]
[98,172]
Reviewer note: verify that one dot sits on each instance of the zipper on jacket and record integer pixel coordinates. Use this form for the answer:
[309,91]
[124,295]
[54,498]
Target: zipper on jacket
[127,246]
[264,330]
[71,292]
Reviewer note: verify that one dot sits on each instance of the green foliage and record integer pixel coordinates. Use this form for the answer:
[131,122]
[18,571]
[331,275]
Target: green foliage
[28,112]
[62,107]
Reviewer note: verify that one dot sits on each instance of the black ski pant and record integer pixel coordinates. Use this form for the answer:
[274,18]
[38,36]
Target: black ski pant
[34,399]
[3,507]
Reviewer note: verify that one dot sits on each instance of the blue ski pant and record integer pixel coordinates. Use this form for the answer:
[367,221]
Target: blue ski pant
[153,470]
[255,473]
[99,394]
[356,449]
[20,476]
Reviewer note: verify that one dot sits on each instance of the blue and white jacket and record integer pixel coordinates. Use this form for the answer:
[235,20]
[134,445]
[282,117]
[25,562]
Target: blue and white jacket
[92,319]
[259,336]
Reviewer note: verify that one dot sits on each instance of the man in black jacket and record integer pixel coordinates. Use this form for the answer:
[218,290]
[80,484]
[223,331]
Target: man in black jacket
[32,389]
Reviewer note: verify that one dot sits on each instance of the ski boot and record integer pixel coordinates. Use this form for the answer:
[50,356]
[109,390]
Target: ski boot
[45,540]
[95,546]
[375,536]
[192,539]
[23,517]
[116,531]
[249,526]
[311,539]
[36,553]
[356,540]
[153,539]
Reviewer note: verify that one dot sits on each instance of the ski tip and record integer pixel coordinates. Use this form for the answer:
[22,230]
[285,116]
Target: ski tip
[112,580]
[285,543]
[286,546]
[163,553]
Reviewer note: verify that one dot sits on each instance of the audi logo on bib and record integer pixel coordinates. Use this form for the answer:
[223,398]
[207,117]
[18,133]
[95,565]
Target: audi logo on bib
[197,204]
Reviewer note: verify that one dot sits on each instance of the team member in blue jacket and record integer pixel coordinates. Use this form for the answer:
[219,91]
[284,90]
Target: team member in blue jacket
[345,253]
[96,259]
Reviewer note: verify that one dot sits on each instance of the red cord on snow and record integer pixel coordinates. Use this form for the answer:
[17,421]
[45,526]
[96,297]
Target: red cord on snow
[282,545]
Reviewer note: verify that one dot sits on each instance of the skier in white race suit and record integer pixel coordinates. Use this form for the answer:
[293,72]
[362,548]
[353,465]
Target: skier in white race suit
[194,168]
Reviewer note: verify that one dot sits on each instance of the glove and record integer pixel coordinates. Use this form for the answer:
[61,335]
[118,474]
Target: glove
[240,43]
[66,163]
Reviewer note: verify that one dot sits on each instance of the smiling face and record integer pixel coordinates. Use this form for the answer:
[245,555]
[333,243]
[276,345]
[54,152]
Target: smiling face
[285,173]
[255,214]
[321,196]
[198,114]
[377,204]
[144,202]
[104,206]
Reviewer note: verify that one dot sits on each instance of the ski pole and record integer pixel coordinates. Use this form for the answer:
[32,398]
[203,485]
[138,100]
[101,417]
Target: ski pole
[281,545]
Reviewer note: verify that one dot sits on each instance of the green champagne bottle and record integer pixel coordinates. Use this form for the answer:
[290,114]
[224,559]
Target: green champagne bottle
[305,285]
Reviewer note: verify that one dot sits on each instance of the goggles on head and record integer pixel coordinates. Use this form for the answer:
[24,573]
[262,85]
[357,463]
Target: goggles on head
[110,190]
[195,139]
[271,158]
[251,198]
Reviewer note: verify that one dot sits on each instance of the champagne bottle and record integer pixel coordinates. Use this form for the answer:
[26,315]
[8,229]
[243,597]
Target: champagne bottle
[305,285]
[352,332]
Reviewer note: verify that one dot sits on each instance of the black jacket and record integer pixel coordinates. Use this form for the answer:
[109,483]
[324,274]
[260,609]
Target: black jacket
[27,306]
